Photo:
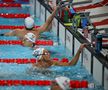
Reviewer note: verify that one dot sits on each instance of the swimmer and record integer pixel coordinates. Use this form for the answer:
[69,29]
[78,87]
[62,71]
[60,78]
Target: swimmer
[44,59]
[29,28]
[29,40]
[63,83]
[60,83]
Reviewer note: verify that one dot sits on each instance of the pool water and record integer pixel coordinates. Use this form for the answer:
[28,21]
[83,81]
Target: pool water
[15,10]
[24,71]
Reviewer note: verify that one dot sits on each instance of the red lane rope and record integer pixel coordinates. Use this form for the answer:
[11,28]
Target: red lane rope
[19,60]
[10,5]
[10,42]
[73,83]
[27,61]
[103,22]
[38,42]
[44,42]
[19,42]
[14,1]
[25,0]
[12,15]
[13,27]
[8,0]
[91,6]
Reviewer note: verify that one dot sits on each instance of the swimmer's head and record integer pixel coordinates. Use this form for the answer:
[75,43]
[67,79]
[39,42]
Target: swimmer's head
[63,82]
[39,53]
[29,39]
[29,23]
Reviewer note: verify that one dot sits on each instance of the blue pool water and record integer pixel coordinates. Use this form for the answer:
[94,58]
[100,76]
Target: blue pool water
[14,10]
[23,71]
[5,21]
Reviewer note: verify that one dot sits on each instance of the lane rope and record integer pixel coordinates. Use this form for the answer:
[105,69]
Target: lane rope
[73,83]
[2,27]
[10,5]
[19,42]
[14,15]
[27,61]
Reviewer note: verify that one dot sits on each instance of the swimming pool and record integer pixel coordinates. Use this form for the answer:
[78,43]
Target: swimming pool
[21,71]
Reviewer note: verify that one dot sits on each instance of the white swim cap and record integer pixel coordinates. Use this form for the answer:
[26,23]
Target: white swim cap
[38,52]
[63,82]
[29,22]
[31,37]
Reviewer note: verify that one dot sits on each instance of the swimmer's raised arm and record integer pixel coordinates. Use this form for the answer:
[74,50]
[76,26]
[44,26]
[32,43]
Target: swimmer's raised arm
[74,60]
[48,22]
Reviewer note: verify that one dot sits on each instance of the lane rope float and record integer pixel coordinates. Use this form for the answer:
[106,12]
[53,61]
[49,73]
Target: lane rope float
[73,83]
[2,27]
[19,42]
[14,15]
[26,60]
[10,5]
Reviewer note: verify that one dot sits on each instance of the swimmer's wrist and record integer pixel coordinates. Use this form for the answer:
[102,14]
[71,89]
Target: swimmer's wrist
[79,50]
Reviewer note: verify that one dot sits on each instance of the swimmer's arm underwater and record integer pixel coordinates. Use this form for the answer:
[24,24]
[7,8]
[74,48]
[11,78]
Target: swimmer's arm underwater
[48,22]
[8,34]
[11,33]
[2,34]
[73,61]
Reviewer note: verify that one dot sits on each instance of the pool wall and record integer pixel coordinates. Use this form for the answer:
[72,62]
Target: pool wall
[96,64]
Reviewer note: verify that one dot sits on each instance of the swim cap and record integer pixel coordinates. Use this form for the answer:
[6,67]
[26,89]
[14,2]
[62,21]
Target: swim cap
[29,22]
[38,52]
[31,37]
[63,82]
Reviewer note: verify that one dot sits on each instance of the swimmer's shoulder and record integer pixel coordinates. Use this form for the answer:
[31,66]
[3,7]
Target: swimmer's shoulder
[18,29]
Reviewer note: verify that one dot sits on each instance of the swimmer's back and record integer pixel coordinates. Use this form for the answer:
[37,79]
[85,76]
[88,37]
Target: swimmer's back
[22,32]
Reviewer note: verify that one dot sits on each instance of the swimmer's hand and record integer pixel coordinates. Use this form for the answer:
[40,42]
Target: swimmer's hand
[56,7]
[82,46]
[2,34]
